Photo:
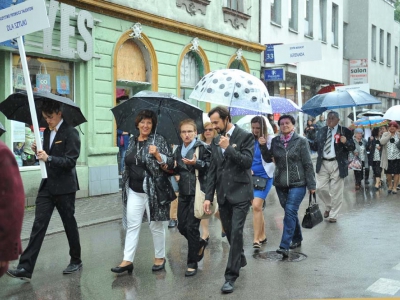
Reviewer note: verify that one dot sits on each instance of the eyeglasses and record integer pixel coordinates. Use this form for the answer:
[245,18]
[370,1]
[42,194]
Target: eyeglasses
[210,129]
[187,132]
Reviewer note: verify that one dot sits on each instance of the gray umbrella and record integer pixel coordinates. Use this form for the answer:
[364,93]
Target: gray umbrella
[2,129]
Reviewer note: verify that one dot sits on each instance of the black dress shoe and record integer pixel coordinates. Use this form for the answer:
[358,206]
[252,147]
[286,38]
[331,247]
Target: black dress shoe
[283,252]
[295,245]
[72,268]
[326,213]
[227,287]
[264,241]
[119,269]
[172,223]
[243,262]
[155,268]
[190,273]
[20,273]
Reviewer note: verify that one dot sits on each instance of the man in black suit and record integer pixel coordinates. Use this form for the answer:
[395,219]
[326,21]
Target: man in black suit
[61,148]
[230,175]
[333,143]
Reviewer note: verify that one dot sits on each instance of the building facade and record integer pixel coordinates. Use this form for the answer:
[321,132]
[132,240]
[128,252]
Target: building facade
[99,53]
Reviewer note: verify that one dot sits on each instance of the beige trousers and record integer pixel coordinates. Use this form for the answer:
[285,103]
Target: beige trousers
[330,187]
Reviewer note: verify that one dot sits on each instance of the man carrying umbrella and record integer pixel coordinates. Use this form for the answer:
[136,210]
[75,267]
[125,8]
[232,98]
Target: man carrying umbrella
[230,175]
[333,144]
[61,148]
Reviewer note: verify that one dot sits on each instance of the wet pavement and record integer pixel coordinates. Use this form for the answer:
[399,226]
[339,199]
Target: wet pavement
[356,257]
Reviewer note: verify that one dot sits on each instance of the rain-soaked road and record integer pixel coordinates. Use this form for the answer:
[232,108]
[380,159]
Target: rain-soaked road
[358,256]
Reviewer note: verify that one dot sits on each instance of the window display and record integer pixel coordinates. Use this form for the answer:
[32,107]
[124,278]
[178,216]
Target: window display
[46,75]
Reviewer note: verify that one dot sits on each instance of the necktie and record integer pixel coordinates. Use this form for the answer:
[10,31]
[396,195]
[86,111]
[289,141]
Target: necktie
[327,147]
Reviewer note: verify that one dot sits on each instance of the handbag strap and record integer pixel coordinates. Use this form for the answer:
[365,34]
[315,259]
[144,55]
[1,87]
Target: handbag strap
[197,156]
[311,197]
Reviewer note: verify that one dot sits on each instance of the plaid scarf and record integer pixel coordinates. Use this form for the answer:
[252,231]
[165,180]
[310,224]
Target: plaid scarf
[285,139]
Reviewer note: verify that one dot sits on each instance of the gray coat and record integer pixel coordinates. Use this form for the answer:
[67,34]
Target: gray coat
[157,212]
[294,167]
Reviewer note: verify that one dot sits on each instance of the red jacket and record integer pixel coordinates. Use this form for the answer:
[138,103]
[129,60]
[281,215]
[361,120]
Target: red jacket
[12,203]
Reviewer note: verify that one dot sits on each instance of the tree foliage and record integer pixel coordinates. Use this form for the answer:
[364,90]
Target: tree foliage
[397,11]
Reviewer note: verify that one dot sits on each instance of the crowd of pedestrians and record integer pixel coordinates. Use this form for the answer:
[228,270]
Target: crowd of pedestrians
[234,168]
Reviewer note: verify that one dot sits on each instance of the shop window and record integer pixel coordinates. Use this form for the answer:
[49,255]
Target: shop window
[46,75]
[192,70]
[308,17]
[276,11]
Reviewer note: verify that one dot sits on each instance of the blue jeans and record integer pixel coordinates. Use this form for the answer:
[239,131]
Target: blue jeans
[290,199]
[122,152]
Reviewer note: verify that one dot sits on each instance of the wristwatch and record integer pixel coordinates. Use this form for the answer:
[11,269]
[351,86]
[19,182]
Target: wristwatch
[49,158]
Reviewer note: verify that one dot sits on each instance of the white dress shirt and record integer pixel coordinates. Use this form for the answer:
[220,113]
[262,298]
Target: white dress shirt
[54,132]
[331,154]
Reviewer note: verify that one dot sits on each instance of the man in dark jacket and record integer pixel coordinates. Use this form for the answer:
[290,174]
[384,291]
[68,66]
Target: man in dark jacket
[230,175]
[61,148]
[333,144]
[186,163]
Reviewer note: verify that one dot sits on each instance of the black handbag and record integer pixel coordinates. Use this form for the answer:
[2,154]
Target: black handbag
[164,191]
[313,215]
[259,183]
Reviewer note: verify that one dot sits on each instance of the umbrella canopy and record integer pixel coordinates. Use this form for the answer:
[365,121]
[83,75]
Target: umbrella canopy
[16,107]
[170,111]
[370,113]
[2,129]
[234,88]
[369,123]
[279,105]
[245,123]
[338,99]
[393,113]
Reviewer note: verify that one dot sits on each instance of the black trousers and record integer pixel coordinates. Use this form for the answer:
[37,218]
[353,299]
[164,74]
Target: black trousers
[233,217]
[358,175]
[376,168]
[188,226]
[45,203]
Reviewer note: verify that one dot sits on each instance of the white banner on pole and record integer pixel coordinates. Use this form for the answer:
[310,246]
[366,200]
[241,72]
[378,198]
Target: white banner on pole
[294,53]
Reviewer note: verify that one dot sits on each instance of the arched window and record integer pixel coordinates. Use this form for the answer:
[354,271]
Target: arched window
[192,70]
[237,64]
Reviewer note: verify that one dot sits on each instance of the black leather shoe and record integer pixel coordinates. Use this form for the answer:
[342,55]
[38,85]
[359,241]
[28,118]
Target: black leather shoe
[264,241]
[190,273]
[227,287]
[295,245]
[155,268]
[243,262]
[119,269]
[283,252]
[72,268]
[20,273]
[203,245]
[172,223]
[326,213]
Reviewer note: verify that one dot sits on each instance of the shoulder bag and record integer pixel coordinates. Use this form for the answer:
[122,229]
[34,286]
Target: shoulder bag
[199,198]
[259,182]
[313,215]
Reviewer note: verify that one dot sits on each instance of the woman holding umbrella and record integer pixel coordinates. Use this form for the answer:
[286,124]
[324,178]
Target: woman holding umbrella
[146,153]
[390,160]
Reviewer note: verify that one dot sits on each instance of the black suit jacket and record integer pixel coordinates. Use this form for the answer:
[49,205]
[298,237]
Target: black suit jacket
[230,173]
[61,171]
[341,150]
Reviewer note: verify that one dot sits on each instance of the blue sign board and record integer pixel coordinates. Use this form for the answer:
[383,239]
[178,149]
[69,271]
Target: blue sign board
[6,4]
[269,54]
[274,74]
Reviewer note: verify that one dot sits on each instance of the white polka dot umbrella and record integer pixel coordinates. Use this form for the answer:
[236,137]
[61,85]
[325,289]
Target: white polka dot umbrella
[234,88]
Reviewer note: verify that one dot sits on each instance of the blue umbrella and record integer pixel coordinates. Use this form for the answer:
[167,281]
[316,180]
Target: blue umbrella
[279,105]
[338,99]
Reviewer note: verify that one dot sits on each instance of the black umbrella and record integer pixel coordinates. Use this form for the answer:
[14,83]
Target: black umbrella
[2,129]
[16,107]
[170,111]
